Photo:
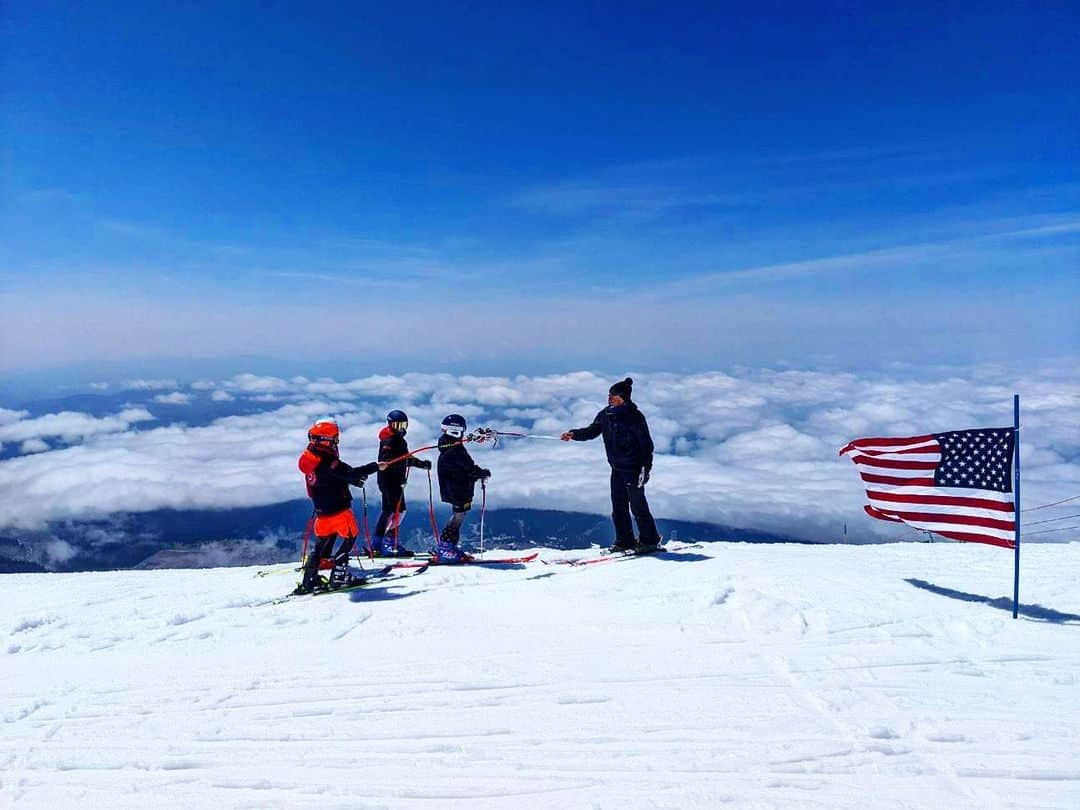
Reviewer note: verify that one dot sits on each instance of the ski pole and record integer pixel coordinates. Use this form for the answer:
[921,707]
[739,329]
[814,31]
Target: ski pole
[367,534]
[478,436]
[483,511]
[431,510]
[515,435]
[307,535]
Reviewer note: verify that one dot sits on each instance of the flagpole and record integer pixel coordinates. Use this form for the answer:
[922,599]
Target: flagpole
[1016,496]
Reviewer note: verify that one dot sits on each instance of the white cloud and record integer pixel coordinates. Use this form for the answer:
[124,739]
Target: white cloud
[60,551]
[175,398]
[31,446]
[251,383]
[222,396]
[749,448]
[9,416]
[71,426]
[149,385]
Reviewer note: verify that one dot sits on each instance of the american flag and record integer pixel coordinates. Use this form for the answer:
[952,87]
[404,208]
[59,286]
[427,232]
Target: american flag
[957,484]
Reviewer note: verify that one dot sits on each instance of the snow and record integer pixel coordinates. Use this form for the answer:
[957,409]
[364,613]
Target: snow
[731,675]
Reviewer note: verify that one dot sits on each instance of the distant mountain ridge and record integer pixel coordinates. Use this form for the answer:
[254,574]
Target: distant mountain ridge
[168,538]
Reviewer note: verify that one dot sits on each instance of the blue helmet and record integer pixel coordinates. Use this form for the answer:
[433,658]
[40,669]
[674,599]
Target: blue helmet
[398,421]
[454,425]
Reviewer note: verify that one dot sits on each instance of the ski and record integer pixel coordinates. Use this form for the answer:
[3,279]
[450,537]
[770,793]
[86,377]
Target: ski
[526,558]
[385,574]
[607,555]
[419,556]
[295,569]
[271,572]
[412,563]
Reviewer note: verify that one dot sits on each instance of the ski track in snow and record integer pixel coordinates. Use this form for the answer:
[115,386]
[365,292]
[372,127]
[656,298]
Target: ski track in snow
[738,675]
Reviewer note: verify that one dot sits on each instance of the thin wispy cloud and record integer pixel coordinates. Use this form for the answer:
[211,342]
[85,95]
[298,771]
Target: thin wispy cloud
[867,261]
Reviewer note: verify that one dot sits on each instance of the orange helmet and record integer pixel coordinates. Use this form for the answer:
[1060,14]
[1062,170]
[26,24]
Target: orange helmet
[324,434]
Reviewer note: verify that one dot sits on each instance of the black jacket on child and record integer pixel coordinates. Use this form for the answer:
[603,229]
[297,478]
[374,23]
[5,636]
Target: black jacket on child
[627,442]
[393,445]
[458,473]
[328,479]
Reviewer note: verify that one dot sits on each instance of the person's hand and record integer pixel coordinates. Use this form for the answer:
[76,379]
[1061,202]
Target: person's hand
[485,474]
[360,481]
[643,477]
[567,436]
[423,464]
[383,465]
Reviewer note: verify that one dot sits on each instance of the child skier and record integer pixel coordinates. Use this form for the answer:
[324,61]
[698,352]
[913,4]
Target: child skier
[458,475]
[328,479]
[392,445]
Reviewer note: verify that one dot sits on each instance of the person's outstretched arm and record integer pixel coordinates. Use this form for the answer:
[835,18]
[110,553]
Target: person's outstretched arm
[354,475]
[585,433]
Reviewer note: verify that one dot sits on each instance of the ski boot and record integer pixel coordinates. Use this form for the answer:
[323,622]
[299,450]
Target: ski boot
[447,552]
[383,547]
[648,546]
[623,546]
[341,577]
[318,584]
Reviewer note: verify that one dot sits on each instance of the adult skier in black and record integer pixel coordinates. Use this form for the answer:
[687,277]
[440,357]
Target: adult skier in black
[629,450]
[458,475]
[392,445]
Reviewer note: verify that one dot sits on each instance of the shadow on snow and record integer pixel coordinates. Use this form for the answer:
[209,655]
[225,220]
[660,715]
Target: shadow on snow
[678,556]
[378,594]
[1038,612]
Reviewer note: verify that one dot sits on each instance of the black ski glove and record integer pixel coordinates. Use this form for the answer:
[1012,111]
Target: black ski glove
[423,464]
[485,474]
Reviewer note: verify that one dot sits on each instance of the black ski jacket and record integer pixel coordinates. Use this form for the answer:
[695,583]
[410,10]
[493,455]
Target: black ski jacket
[393,445]
[627,441]
[328,479]
[458,473]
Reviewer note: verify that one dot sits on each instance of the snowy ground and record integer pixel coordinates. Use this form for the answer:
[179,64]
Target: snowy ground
[738,675]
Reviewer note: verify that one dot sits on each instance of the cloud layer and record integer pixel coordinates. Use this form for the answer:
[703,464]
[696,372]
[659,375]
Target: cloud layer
[751,448]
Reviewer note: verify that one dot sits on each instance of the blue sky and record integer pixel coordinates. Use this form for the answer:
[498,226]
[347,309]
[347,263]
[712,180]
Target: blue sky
[611,186]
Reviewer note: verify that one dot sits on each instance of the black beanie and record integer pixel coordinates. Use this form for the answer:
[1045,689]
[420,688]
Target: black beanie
[622,389]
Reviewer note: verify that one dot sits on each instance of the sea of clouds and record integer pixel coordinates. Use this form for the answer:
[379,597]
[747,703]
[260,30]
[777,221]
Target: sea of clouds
[751,448]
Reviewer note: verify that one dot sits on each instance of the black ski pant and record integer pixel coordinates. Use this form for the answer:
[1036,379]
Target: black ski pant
[451,532]
[627,497]
[393,503]
[324,548]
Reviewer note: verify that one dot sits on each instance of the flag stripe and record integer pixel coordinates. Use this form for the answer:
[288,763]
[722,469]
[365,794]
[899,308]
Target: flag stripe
[964,537]
[962,513]
[959,520]
[884,442]
[877,513]
[944,500]
[932,450]
[888,479]
[959,492]
[895,464]
[939,527]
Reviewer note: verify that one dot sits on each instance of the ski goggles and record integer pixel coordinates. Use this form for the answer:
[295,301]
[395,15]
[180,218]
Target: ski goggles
[399,427]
